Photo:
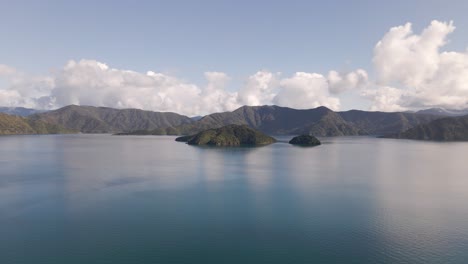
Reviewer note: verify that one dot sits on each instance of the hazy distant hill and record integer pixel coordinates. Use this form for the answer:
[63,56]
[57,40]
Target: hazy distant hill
[281,120]
[19,111]
[444,112]
[14,125]
[89,119]
[321,121]
[273,120]
[444,129]
[196,118]
[381,123]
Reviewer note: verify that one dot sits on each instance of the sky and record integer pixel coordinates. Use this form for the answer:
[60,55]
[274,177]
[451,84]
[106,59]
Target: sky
[199,57]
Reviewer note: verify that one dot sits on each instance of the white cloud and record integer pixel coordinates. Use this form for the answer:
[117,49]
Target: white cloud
[411,72]
[20,89]
[89,82]
[385,99]
[214,96]
[426,76]
[260,89]
[302,90]
[349,81]
[10,98]
[305,90]
[6,70]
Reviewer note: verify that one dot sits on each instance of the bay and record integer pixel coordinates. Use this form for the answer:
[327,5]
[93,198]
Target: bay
[149,199]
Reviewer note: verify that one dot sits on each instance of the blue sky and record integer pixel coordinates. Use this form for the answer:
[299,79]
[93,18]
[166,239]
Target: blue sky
[187,38]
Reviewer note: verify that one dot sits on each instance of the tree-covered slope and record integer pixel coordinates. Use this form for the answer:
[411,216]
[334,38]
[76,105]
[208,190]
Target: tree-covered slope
[16,125]
[444,129]
[89,119]
[321,121]
[231,135]
[380,123]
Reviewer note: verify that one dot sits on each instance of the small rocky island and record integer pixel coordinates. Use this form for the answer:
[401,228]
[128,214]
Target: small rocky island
[230,135]
[305,140]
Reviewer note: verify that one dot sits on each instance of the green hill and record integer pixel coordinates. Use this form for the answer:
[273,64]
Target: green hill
[272,120]
[231,135]
[381,123]
[89,119]
[321,121]
[14,125]
[305,140]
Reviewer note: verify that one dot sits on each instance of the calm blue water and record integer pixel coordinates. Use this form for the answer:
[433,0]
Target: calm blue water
[109,199]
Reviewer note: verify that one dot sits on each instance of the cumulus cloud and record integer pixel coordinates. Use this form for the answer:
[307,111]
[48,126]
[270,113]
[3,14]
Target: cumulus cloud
[214,97]
[305,90]
[259,89]
[10,98]
[23,89]
[412,71]
[339,83]
[422,75]
[90,82]
[302,90]
[385,99]
[6,70]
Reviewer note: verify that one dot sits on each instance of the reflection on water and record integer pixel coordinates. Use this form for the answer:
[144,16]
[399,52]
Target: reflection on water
[108,199]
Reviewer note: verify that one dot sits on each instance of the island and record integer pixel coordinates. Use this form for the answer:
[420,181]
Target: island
[229,136]
[305,140]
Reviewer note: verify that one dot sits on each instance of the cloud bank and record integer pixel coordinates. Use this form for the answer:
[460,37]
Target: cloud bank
[411,72]
[90,82]
[305,90]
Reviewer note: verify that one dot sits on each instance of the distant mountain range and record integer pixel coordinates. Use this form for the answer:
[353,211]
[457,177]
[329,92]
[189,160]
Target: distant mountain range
[19,111]
[90,119]
[321,121]
[272,120]
[444,112]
